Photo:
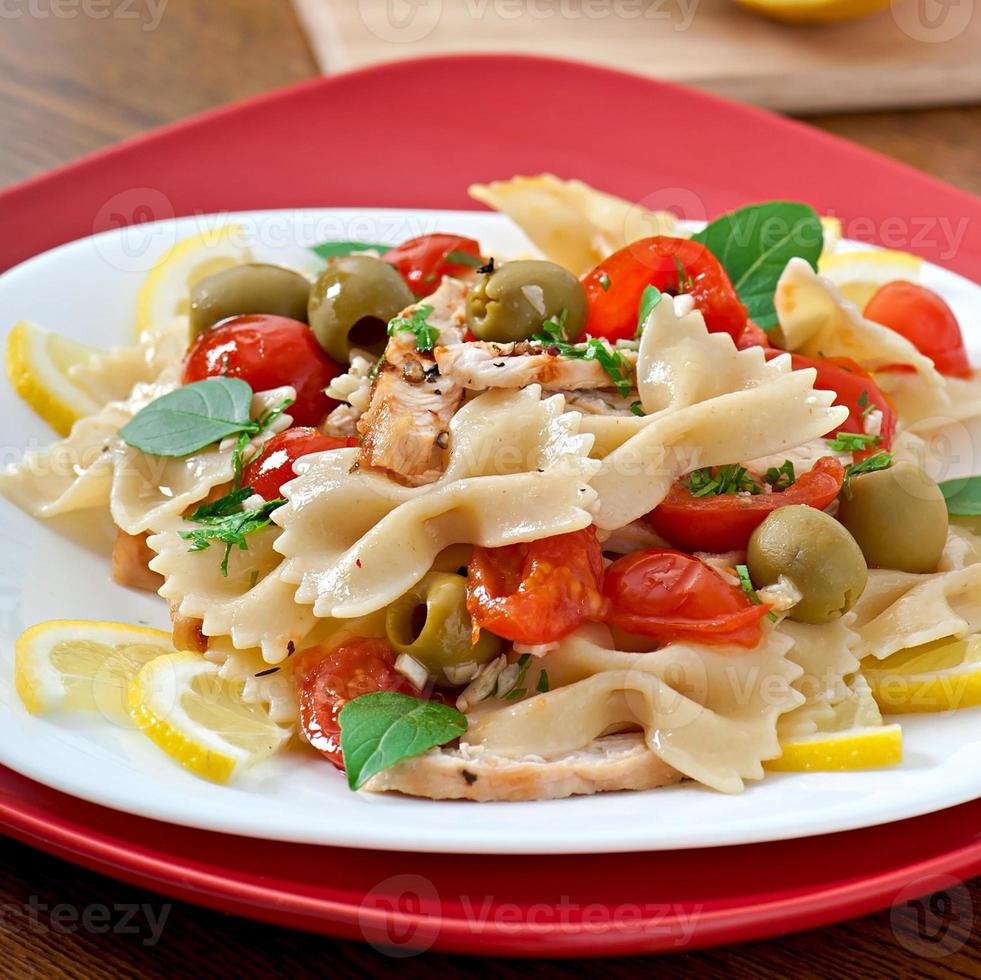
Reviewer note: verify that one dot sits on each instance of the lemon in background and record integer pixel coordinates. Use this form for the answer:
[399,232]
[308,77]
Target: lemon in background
[814,11]
[858,275]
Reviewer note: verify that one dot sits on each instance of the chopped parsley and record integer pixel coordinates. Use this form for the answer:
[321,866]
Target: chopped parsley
[553,329]
[456,257]
[724,479]
[684,282]
[542,685]
[262,423]
[850,442]
[637,409]
[649,298]
[519,691]
[877,461]
[416,323]
[781,477]
[226,522]
[746,584]
[604,281]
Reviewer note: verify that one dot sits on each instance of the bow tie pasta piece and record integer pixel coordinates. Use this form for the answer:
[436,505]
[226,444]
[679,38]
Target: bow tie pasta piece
[816,320]
[150,492]
[572,223]
[252,605]
[709,712]
[826,654]
[355,540]
[899,610]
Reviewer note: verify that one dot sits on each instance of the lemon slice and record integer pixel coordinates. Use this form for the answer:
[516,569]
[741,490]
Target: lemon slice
[859,274]
[198,718]
[813,11]
[80,665]
[38,362]
[854,739]
[165,292]
[941,676]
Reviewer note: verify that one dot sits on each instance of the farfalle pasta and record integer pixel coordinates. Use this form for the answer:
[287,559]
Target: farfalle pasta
[551,525]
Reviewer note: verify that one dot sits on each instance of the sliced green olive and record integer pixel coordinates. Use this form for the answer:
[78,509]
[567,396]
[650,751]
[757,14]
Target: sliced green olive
[352,302]
[431,624]
[816,554]
[513,301]
[898,516]
[250,288]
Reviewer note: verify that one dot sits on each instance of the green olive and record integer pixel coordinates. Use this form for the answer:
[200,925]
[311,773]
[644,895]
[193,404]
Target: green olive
[249,288]
[431,624]
[898,516]
[352,302]
[513,301]
[816,554]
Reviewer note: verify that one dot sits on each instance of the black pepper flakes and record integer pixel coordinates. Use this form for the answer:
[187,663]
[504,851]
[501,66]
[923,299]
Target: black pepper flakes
[266,673]
[470,777]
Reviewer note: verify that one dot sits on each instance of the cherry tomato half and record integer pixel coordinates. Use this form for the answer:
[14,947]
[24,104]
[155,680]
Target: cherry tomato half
[327,679]
[671,596]
[856,390]
[537,592]
[724,522]
[422,262]
[267,352]
[273,467]
[925,320]
[673,265]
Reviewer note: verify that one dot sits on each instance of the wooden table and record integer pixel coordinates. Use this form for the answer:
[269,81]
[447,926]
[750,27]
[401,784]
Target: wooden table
[70,84]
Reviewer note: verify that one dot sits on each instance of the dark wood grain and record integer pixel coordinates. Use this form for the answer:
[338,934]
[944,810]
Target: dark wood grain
[69,85]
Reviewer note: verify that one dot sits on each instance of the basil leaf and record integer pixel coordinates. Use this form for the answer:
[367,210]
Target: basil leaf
[332,250]
[380,729]
[754,245]
[963,496]
[649,298]
[190,418]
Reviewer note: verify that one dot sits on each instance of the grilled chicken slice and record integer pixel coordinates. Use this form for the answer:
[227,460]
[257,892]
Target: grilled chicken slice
[448,318]
[613,762]
[187,632]
[478,366]
[131,556]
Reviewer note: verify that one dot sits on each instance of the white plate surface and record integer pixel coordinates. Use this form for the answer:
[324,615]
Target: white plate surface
[60,570]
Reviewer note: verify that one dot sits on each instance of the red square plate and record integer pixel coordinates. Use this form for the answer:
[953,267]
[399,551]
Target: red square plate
[382,137]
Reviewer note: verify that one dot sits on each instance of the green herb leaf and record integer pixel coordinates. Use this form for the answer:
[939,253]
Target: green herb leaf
[415,323]
[192,417]
[746,584]
[553,329]
[542,685]
[850,442]
[724,479]
[638,409]
[455,257]
[649,298]
[877,461]
[781,477]
[225,522]
[963,496]
[332,250]
[380,729]
[754,245]
[604,281]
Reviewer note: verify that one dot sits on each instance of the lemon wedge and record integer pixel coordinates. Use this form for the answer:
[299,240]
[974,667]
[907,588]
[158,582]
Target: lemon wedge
[80,665]
[941,676]
[165,292]
[198,718]
[813,11]
[854,739]
[38,363]
[859,274]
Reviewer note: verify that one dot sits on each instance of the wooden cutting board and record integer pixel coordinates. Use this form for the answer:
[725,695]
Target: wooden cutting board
[914,53]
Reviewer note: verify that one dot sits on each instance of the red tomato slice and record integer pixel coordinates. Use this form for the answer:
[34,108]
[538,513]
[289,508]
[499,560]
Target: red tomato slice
[422,262]
[327,679]
[537,592]
[669,596]
[673,265]
[267,352]
[855,388]
[925,320]
[725,522]
[267,473]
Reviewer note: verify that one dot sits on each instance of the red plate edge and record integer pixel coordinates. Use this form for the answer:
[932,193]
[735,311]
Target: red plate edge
[218,161]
